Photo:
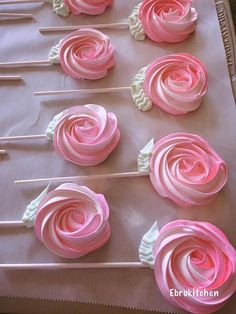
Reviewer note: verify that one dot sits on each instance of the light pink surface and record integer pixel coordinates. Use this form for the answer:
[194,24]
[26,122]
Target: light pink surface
[187,170]
[72,221]
[86,135]
[168,21]
[92,7]
[176,83]
[86,54]
[134,203]
[192,255]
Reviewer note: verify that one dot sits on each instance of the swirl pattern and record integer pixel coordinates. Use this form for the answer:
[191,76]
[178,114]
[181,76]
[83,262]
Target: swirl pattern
[168,21]
[86,54]
[91,7]
[187,170]
[191,255]
[72,221]
[176,83]
[86,135]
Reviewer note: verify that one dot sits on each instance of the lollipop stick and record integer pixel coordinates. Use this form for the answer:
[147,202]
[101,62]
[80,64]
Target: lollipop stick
[86,178]
[3,152]
[83,91]
[76,27]
[11,224]
[23,137]
[74,265]
[22,1]
[25,63]
[10,78]
[16,15]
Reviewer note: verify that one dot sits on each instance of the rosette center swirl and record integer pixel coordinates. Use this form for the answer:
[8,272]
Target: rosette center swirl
[72,221]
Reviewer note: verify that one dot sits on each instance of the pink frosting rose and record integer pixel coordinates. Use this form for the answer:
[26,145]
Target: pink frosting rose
[92,7]
[86,54]
[190,256]
[72,221]
[187,170]
[86,135]
[176,83]
[168,20]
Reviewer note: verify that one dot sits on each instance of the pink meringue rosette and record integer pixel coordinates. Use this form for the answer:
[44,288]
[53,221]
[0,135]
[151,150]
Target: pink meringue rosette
[176,83]
[86,135]
[86,54]
[168,20]
[192,255]
[187,170]
[72,221]
[91,7]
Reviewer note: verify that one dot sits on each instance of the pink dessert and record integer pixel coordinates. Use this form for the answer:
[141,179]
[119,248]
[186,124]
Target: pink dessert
[86,54]
[195,256]
[91,7]
[86,135]
[168,21]
[187,170]
[72,221]
[176,83]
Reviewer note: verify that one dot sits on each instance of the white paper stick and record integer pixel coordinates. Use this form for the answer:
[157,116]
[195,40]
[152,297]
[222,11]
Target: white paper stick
[22,1]
[83,91]
[24,63]
[3,152]
[76,27]
[10,78]
[11,223]
[23,137]
[74,265]
[15,15]
[86,178]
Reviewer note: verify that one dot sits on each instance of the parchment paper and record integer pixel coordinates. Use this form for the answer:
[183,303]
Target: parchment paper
[133,202]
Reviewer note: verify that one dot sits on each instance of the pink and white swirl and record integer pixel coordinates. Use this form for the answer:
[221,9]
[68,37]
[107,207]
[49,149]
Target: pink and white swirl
[176,83]
[187,170]
[72,221]
[195,256]
[91,7]
[86,54]
[86,135]
[168,20]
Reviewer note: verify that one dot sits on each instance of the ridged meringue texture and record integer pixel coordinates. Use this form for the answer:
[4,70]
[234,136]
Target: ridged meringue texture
[192,255]
[86,135]
[72,221]
[91,7]
[176,83]
[86,54]
[187,170]
[169,21]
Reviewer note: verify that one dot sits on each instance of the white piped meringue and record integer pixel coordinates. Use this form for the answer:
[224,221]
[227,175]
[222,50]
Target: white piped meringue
[145,251]
[135,25]
[51,127]
[31,210]
[139,96]
[144,157]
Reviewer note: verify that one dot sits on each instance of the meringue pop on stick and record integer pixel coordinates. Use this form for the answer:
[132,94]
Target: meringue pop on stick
[65,7]
[183,167]
[84,135]
[83,54]
[201,261]
[169,21]
[71,221]
[176,83]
